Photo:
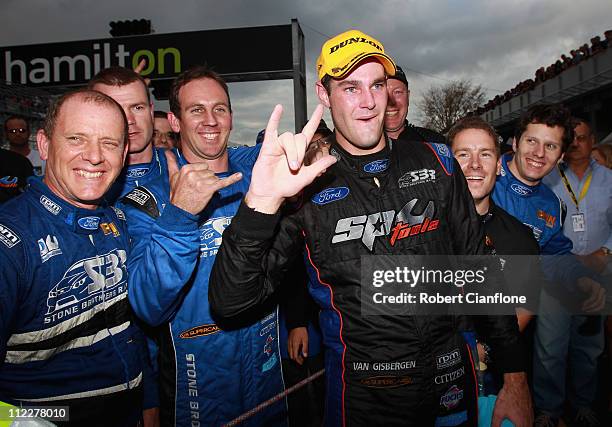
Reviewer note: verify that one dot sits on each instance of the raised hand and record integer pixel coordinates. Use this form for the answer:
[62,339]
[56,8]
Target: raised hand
[192,187]
[279,171]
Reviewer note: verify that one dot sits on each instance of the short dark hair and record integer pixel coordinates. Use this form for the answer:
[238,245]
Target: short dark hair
[581,121]
[551,115]
[118,76]
[87,96]
[17,117]
[194,73]
[473,122]
[158,114]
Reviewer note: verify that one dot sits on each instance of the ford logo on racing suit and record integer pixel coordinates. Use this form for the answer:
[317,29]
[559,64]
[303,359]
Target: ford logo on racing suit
[521,190]
[376,166]
[89,222]
[330,195]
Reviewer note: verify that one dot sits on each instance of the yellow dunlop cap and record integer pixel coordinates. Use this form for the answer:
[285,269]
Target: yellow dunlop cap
[340,54]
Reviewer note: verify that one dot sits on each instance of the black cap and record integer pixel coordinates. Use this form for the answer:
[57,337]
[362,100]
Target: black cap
[399,75]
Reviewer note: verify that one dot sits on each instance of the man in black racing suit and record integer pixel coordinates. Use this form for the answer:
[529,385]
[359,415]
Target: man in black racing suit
[380,370]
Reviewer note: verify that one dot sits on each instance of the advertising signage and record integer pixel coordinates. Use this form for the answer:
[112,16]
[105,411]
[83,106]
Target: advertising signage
[231,52]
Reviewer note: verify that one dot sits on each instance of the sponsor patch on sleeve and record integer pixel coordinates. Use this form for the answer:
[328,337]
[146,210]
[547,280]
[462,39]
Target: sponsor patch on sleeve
[444,155]
[8,236]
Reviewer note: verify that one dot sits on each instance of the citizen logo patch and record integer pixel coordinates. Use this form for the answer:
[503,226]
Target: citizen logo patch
[200,331]
[451,376]
[448,359]
[330,195]
[521,190]
[416,177]
[452,397]
[89,222]
[137,172]
[8,236]
[50,205]
[376,166]
[385,381]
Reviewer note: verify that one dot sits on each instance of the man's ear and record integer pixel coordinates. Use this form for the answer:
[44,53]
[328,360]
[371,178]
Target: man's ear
[322,94]
[514,144]
[42,141]
[175,123]
[498,167]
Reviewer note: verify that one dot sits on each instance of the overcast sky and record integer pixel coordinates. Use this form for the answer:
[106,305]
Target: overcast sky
[495,43]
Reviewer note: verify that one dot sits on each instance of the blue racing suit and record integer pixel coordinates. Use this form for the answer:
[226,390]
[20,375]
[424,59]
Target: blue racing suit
[140,174]
[542,211]
[66,330]
[210,373]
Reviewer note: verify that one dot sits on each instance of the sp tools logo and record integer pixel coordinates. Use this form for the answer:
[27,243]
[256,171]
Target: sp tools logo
[8,182]
[368,227]
[200,331]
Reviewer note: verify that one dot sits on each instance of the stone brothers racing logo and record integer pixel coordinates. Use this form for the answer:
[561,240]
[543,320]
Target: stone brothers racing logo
[210,235]
[408,222]
[86,283]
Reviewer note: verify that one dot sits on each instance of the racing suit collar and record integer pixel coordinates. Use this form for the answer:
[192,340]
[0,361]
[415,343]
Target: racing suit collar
[82,221]
[512,183]
[365,166]
[141,170]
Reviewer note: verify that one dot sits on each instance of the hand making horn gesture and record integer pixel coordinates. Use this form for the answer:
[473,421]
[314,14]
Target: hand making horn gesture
[279,171]
[193,185]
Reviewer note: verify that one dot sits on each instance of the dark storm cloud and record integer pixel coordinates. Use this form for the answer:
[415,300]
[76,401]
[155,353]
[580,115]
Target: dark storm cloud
[495,43]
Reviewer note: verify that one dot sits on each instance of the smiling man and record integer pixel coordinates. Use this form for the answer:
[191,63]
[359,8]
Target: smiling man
[144,163]
[209,375]
[66,333]
[541,137]
[381,370]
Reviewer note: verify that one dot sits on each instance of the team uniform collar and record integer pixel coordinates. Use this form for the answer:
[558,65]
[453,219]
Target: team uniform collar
[365,166]
[82,221]
[513,183]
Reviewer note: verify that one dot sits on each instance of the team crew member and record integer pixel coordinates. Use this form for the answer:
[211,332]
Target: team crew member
[396,123]
[66,331]
[391,370]
[542,135]
[144,163]
[209,375]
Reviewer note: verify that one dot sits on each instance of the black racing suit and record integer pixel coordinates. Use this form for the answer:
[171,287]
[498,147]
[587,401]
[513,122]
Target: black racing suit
[380,370]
